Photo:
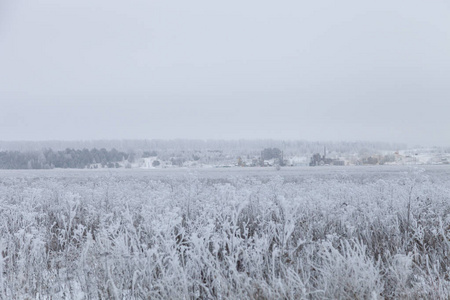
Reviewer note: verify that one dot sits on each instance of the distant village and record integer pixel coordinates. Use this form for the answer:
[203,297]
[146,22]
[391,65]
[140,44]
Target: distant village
[228,157]
[274,157]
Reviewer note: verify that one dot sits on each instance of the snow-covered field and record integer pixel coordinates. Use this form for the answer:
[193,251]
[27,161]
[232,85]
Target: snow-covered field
[232,233]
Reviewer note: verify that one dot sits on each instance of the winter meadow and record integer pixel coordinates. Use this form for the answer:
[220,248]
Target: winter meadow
[224,150]
[361,232]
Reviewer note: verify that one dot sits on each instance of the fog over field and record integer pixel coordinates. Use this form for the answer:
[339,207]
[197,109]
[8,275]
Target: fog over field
[290,70]
[244,149]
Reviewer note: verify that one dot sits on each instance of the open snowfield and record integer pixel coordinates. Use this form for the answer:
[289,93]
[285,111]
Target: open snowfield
[377,171]
[380,232]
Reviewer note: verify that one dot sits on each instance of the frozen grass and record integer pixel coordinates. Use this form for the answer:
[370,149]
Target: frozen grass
[235,238]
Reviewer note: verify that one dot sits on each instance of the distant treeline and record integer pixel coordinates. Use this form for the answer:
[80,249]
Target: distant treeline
[69,158]
[232,147]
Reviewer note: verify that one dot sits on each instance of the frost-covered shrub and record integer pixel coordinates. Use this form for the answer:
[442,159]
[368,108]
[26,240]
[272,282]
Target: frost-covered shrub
[347,272]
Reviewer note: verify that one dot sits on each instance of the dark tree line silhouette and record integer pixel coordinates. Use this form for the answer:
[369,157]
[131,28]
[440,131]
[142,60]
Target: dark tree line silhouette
[69,158]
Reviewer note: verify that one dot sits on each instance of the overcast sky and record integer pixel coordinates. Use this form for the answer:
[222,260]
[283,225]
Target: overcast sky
[287,69]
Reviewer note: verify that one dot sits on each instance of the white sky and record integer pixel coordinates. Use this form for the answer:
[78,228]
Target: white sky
[288,69]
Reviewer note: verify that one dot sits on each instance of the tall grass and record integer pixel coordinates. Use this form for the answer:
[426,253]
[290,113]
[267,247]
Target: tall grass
[236,238]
